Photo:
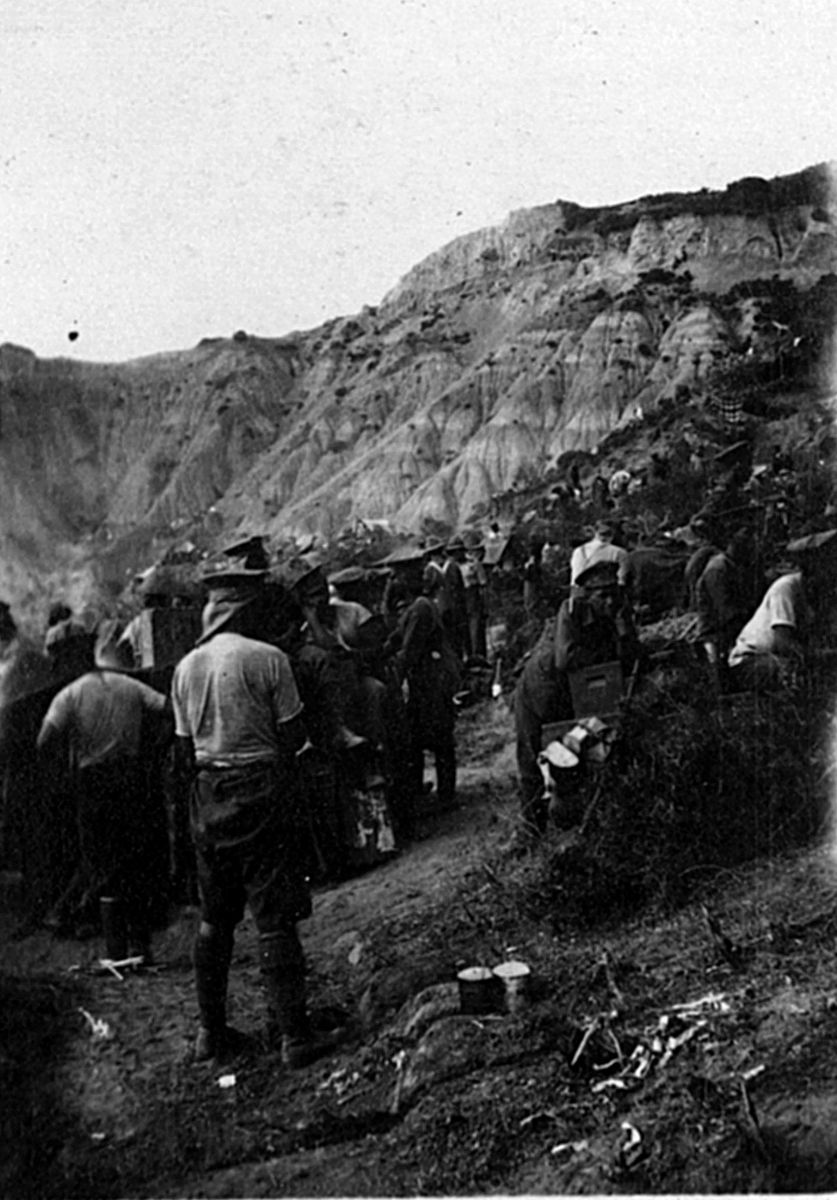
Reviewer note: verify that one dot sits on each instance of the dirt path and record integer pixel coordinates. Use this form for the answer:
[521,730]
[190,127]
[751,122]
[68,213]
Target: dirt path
[123,1088]
[101,1098]
[450,843]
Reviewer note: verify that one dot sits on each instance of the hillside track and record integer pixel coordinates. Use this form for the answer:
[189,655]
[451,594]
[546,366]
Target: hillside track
[493,1105]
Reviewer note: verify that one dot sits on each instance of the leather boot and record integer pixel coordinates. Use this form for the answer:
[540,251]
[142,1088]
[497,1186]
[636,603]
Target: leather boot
[211,956]
[288,1026]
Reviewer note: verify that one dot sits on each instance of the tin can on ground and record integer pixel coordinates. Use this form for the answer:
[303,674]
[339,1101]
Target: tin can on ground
[513,980]
[477,990]
[113,927]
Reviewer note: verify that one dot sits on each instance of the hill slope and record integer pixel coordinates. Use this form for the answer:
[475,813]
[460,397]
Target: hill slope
[487,362]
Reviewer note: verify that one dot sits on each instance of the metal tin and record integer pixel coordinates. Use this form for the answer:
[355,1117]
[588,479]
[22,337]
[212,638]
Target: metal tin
[514,979]
[477,990]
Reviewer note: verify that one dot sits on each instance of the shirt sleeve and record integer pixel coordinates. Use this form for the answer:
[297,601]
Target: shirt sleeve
[782,608]
[153,700]
[59,713]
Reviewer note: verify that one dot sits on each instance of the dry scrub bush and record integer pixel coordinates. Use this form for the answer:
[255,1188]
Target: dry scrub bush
[696,783]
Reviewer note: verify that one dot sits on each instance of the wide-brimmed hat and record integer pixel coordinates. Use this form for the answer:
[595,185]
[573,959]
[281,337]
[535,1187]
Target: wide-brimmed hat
[64,632]
[814,544]
[352,574]
[402,555]
[225,605]
[599,575]
[108,652]
[230,568]
[252,551]
[303,574]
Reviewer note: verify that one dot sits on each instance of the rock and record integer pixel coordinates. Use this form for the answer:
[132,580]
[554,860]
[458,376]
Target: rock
[452,1046]
[422,1010]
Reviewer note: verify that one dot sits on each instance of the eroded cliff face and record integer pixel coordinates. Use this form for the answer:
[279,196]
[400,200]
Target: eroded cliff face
[487,362]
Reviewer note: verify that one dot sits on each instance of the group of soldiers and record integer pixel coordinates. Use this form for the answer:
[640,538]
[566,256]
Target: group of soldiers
[295,690]
[752,627]
[307,702]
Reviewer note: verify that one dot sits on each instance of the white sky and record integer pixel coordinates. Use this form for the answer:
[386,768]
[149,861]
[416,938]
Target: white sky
[174,169]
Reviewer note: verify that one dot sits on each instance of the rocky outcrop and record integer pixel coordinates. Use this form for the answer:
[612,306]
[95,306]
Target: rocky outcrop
[486,362]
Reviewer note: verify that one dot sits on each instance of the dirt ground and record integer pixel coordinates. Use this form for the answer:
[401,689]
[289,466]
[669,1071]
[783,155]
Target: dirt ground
[666,1053]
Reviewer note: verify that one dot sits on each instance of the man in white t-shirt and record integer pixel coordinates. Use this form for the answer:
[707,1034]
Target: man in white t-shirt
[778,634]
[600,549]
[238,725]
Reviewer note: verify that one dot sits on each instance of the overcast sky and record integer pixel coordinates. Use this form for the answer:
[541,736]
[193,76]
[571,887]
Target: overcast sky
[173,169]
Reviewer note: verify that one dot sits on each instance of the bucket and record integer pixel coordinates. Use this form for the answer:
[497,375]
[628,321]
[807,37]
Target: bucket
[513,978]
[113,927]
[477,990]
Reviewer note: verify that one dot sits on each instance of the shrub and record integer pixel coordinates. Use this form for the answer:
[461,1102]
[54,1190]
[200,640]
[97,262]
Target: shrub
[695,783]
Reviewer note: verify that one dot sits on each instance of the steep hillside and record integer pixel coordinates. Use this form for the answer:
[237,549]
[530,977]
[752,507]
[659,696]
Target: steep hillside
[486,363]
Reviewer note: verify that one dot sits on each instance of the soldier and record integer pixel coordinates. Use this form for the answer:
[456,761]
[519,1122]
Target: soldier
[239,727]
[67,644]
[587,630]
[782,636]
[27,825]
[725,597]
[431,671]
[476,588]
[600,548]
[326,677]
[705,548]
[444,584]
[99,723]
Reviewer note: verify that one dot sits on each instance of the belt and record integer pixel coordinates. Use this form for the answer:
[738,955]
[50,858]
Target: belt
[225,764]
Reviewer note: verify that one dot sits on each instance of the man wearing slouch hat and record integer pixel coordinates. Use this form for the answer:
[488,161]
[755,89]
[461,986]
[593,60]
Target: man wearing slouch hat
[238,720]
[589,628]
